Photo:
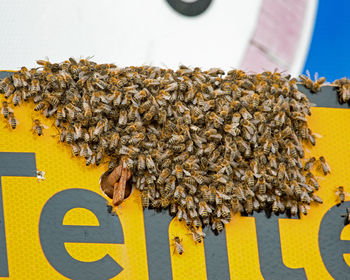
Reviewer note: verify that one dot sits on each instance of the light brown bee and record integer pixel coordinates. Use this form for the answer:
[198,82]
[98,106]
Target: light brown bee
[85,151]
[16,98]
[75,150]
[236,206]
[13,122]
[217,224]
[5,83]
[303,208]
[343,89]
[5,109]
[249,204]
[17,81]
[249,178]
[309,164]
[190,203]
[347,216]
[197,235]
[179,193]
[38,127]
[163,175]
[325,167]
[178,245]
[204,209]
[341,194]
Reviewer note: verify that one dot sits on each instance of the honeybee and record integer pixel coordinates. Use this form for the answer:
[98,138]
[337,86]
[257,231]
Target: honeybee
[261,183]
[16,99]
[217,224]
[341,194]
[163,175]
[17,81]
[101,125]
[192,189]
[249,177]
[276,204]
[312,180]
[347,216]
[85,151]
[232,129]
[343,89]
[204,209]
[325,167]
[75,149]
[70,135]
[236,206]
[282,173]
[189,202]
[316,199]
[5,83]
[178,245]
[178,171]
[197,235]
[150,163]
[309,164]
[38,127]
[303,208]
[245,114]
[5,109]
[9,90]
[13,122]
[249,204]
[314,86]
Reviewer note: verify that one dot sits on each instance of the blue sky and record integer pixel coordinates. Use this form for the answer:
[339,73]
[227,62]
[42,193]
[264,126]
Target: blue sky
[329,52]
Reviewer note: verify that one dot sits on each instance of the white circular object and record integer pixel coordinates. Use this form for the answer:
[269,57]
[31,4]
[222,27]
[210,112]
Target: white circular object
[227,34]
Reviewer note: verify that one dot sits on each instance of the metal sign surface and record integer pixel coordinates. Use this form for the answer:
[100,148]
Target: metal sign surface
[60,228]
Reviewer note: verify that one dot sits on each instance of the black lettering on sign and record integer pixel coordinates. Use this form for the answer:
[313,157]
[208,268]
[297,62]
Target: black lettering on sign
[53,234]
[269,246]
[331,246]
[216,257]
[190,9]
[12,164]
[157,244]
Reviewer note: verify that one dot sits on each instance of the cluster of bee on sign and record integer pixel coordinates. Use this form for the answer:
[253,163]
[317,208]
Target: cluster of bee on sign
[342,85]
[203,144]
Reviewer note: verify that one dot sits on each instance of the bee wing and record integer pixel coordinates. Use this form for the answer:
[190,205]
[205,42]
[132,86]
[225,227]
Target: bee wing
[209,210]
[93,161]
[81,152]
[186,173]
[308,73]
[317,135]
[223,196]
[250,129]
[224,221]
[44,126]
[201,210]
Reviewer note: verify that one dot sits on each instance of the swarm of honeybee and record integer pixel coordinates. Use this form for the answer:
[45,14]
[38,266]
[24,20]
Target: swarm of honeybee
[203,144]
[313,85]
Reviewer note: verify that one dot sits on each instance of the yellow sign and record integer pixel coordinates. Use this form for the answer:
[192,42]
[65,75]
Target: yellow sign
[53,231]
